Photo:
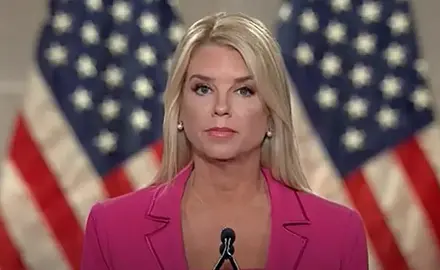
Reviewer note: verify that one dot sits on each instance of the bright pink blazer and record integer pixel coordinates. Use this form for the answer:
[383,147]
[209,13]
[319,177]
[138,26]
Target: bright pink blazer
[142,230]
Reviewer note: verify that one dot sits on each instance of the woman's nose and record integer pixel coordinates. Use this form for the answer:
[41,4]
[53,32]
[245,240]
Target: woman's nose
[221,106]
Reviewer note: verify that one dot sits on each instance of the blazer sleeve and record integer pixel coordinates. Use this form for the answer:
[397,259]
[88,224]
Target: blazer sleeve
[355,252]
[93,255]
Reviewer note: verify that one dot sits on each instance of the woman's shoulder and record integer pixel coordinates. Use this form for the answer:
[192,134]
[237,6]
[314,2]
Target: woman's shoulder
[135,203]
[321,210]
[332,222]
[315,208]
[319,205]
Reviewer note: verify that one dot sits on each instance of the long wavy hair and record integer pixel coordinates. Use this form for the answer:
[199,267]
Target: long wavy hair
[263,58]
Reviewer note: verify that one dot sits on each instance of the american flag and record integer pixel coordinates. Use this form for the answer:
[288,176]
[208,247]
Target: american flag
[90,125]
[364,114]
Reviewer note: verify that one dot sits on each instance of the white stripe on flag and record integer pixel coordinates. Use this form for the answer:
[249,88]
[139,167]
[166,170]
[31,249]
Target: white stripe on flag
[373,263]
[142,168]
[321,174]
[429,141]
[79,182]
[24,224]
[402,211]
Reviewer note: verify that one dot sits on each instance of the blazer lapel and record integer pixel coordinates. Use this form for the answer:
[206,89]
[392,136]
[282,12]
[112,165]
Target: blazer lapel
[287,244]
[164,237]
[163,231]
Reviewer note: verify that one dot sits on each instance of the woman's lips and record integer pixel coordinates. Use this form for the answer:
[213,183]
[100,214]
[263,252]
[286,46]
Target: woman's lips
[221,132]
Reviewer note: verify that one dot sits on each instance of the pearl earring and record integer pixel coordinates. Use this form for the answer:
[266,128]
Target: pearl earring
[180,126]
[269,134]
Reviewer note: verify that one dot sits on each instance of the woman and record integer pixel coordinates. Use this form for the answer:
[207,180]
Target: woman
[229,160]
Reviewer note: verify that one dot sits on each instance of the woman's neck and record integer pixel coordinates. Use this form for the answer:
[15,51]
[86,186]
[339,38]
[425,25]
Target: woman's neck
[227,181]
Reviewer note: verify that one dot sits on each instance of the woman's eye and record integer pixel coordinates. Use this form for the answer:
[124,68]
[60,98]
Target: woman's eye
[245,91]
[201,90]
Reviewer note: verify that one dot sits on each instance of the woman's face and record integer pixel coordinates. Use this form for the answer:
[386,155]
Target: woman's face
[221,111]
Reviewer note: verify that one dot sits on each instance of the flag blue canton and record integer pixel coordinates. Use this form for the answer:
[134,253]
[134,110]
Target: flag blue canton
[358,73]
[105,63]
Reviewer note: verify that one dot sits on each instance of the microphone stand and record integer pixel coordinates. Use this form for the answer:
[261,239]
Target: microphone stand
[227,254]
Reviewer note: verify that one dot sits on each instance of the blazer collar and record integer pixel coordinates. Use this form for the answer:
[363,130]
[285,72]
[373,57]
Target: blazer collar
[164,234]
[287,243]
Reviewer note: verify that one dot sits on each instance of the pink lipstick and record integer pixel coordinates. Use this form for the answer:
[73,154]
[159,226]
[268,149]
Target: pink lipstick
[221,132]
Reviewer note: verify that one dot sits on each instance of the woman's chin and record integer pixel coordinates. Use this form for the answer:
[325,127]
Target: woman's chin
[220,155]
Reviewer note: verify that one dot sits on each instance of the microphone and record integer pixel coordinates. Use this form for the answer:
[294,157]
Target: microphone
[227,237]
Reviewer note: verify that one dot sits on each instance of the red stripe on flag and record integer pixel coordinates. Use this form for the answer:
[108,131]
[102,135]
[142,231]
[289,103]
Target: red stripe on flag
[117,183]
[46,192]
[9,256]
[380,235]
[423,180]
[157,149]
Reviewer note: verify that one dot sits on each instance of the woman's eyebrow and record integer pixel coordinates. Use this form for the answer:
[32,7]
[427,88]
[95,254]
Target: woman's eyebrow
[210,79]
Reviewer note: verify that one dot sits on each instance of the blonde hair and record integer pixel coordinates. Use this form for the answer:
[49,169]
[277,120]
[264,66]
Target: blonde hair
[262,56]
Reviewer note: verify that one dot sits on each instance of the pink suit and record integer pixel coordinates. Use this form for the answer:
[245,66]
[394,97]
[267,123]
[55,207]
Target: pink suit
[142,230]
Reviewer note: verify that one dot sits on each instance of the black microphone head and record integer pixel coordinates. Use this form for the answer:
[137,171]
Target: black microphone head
[222,248]
[227,233]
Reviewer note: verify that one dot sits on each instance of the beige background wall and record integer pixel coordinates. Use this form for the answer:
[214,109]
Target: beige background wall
[19,22]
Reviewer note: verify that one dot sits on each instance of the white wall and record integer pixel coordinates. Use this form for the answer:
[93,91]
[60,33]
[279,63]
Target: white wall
[19,22]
